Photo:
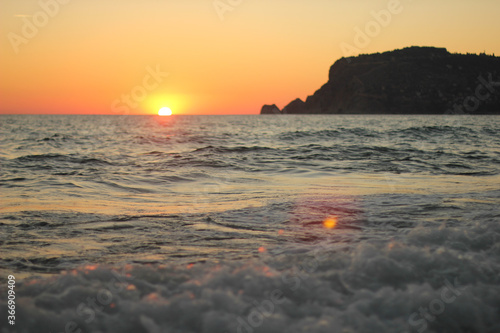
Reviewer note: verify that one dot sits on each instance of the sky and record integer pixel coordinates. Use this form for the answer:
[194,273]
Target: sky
[209,56]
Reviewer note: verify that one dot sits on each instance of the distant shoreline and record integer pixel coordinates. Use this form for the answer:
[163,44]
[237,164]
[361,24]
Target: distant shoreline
[414,80]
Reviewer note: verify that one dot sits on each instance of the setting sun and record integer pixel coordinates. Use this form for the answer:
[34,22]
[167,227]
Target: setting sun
[165,112]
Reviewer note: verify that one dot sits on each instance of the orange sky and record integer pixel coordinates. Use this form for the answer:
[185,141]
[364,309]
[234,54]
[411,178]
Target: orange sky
[206,56]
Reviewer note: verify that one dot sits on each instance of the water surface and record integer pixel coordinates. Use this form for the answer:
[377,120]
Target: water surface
[206,215]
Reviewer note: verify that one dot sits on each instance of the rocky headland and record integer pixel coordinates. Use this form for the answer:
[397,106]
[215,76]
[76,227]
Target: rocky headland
[413,80]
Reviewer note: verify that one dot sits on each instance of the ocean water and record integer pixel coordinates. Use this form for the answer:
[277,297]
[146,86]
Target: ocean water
[250,223]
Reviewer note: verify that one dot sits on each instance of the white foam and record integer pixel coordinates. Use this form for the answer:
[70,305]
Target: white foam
[368,287]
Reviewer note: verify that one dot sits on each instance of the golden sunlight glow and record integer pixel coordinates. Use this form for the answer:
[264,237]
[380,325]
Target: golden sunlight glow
[165,112]
[330,222]
[210,60]
[175,101]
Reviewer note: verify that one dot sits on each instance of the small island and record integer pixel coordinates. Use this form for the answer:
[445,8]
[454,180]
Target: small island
[413,80]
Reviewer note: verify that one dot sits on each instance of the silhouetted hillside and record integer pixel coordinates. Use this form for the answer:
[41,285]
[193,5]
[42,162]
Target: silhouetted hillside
[414,80]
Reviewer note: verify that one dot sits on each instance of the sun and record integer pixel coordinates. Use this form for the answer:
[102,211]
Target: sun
[165,112]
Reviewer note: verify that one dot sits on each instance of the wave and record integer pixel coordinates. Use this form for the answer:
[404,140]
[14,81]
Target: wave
[367,287]
[61,158]
[240,149]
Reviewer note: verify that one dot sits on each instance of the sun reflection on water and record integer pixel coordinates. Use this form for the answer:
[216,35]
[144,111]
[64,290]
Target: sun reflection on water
[330,222]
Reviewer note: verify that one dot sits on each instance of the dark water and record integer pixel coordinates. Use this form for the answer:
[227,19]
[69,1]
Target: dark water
[204,217]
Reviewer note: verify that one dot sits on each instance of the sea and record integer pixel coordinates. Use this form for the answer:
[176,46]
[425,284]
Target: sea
[249,223]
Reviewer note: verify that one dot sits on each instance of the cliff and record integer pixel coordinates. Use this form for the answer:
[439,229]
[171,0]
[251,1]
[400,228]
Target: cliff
[414,80]
[270,109]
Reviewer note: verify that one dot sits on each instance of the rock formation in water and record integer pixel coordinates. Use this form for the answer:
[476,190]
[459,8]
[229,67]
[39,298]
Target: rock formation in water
[270,109]
[414,80]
